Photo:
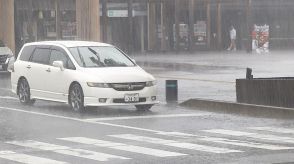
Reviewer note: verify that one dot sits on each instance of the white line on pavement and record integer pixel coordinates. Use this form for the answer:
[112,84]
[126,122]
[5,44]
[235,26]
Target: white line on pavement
[27,159]
[124,147]
[66,150]
[274,129]
[245,143]
[83,120]
[174,143]
[5,89]
[8,97]
[146,117]
[252,135]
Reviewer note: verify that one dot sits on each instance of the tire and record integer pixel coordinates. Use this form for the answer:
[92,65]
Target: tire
[24,93]
[143,108]
[4,67]
[76,98]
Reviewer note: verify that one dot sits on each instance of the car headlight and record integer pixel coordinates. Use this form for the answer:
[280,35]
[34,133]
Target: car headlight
[99,85]
[150,83]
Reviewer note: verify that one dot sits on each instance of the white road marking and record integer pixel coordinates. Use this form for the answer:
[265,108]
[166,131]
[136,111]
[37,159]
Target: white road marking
[129,127]
[245,143]
[174,143]
[146,117]
[83,120]
[124,147]
[178,134]
[252,135]
[27,159]
[274,129]
[227,141]
[7,89]
[8,97]
[66,150]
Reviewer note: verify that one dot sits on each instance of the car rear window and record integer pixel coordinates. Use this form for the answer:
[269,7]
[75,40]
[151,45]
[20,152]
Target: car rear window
[26,53]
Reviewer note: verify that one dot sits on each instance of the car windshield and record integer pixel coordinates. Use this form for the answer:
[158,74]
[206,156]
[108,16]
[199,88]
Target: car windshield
[100,57]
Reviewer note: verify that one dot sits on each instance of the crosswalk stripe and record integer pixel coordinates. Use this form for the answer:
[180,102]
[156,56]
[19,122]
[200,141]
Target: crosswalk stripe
[124,147]
[245,143]
[66,150]
[274,129]
[177,144]
[27,159]
[252,135]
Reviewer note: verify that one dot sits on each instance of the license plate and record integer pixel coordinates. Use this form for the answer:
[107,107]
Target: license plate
[132,97]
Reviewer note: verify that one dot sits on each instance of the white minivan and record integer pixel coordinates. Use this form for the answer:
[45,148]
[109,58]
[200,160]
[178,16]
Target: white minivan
[81,74]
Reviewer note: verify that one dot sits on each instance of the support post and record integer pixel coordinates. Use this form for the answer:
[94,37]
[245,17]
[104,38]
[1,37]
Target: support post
[7,25]
[88,20]
[191,24]
[104,20]
[151,26]
[219,24]
[208,24]
[130,24]
[249,26]
[177,28]
[58,20]
[163,26]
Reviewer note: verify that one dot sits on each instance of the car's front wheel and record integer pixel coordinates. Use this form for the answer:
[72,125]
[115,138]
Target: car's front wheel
[76,98]
[24,93]
[143,108]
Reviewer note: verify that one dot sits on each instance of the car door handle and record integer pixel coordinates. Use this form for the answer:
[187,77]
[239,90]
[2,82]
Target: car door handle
[29,67]
[48,70]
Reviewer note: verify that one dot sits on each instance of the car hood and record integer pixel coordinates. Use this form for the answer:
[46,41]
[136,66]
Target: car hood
[5,51]
[117,74]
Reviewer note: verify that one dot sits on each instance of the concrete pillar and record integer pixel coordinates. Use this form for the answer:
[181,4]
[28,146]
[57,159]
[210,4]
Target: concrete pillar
[58,20]
[88,20]
[249,25]
[130,24]
[142,35]
[177,21]
[151,26]
[219,24]
[7,23]
[104,20]
[164,25]
[208,24]
[191,8]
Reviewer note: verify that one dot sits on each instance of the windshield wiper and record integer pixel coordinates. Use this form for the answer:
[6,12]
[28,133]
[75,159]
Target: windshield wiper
[96,61]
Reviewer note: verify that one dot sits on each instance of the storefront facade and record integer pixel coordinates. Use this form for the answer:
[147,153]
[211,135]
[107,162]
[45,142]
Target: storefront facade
[148,25]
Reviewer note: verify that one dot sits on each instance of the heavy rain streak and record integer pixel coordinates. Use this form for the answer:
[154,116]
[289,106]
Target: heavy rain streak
[146,81]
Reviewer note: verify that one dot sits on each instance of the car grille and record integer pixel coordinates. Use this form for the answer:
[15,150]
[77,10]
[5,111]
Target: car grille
[3,58]
[123,100]
[128,86]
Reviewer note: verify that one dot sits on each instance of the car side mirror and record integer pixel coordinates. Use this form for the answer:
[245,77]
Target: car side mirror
[58,64]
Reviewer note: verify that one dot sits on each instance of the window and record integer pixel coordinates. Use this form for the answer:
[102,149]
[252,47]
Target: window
[59,56]
[26,53]
[100,57]
[41,55]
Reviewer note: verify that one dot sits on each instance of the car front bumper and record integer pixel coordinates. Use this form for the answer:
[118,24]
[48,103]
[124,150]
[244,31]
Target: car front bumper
[92,96]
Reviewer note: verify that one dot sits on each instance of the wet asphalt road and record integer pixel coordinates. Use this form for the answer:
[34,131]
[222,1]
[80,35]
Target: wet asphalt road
[47,133]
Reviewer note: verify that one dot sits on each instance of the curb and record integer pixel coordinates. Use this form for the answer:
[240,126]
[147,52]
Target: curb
[239,108]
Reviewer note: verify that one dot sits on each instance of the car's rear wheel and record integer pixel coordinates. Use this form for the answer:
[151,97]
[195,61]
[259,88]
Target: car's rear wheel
[76,98]
[24,93]
[143,108]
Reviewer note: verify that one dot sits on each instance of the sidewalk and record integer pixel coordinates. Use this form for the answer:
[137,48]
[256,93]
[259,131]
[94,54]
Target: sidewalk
[211,75]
